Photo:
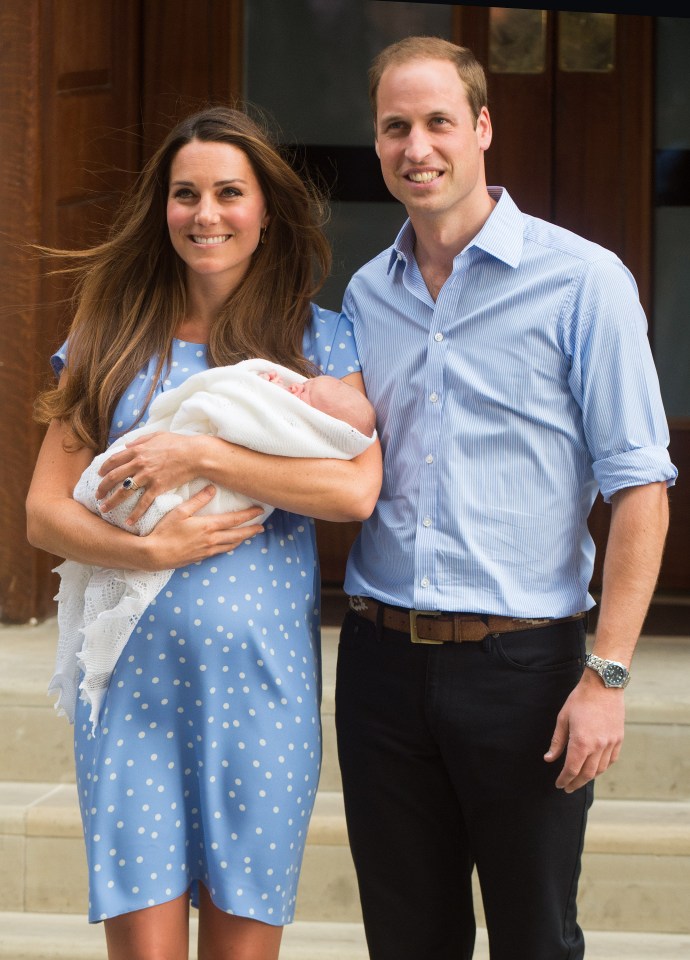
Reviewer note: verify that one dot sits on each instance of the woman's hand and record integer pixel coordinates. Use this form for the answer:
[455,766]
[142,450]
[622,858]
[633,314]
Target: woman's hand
[156,463]
[181,537]
[59,525]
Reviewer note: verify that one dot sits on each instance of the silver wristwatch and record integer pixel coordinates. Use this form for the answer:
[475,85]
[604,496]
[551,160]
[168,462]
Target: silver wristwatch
[613,673]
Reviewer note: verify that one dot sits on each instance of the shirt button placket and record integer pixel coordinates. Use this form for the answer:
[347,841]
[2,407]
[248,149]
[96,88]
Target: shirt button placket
[425,551]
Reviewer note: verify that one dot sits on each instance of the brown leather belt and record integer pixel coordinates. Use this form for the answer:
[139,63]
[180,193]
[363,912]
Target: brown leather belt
[431,626]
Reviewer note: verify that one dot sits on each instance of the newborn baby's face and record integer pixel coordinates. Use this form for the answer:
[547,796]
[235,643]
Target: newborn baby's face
[325,393]
[305,391]
[310,391]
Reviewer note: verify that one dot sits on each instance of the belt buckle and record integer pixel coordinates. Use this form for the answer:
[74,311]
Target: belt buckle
[414,636]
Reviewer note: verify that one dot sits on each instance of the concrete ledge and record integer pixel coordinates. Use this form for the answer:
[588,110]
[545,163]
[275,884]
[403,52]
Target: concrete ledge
[70,937]
[657,828]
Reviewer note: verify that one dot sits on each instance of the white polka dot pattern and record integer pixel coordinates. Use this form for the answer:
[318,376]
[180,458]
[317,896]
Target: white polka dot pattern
[206,762]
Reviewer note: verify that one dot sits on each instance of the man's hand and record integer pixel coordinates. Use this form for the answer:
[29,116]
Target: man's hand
[590,725]
[590,728]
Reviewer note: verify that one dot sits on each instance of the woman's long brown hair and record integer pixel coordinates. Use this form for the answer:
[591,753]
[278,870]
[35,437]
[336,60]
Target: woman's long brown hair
[130,292]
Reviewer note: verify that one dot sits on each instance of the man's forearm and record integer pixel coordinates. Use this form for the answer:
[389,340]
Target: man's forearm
[639,523]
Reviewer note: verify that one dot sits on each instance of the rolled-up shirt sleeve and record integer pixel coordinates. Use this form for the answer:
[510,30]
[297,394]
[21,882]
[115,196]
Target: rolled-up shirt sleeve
[614,380]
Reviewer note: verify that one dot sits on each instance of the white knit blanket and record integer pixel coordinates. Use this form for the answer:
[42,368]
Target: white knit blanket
[99,608]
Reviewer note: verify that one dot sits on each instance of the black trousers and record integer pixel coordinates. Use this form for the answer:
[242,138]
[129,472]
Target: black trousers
[441,751]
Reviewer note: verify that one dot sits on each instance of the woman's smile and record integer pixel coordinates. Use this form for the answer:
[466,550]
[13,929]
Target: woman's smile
[210,241]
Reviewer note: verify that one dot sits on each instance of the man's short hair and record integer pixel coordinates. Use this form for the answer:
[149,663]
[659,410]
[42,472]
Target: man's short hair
[469,68]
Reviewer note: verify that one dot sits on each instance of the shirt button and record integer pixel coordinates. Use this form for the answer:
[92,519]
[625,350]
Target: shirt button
[438,337]
[424,581]
[434,398]
[400,256]
[427,521]
[429,459]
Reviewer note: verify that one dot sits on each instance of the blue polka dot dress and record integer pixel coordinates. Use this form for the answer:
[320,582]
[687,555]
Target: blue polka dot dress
[205,764]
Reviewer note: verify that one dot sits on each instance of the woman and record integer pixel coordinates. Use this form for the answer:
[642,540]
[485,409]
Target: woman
[201,775]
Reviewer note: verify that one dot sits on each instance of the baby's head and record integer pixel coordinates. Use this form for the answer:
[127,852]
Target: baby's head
[337,399]
[331,396]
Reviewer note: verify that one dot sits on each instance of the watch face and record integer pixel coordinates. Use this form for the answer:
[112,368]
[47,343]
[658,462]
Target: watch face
[614,675]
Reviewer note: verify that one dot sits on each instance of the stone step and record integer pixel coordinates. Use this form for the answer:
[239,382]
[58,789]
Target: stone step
[636,865]
[69,937]
[654,764]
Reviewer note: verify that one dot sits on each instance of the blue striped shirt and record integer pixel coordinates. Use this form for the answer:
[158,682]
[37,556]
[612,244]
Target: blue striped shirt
[502,408]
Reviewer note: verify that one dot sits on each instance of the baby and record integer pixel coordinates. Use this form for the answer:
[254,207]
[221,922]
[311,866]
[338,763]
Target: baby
[333,397]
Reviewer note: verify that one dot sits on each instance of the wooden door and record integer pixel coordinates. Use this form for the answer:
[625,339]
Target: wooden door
[68,97]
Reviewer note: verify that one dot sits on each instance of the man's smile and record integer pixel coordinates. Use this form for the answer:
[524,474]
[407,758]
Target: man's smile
[423,176]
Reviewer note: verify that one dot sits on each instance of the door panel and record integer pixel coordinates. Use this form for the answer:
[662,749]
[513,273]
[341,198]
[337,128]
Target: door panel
[69,89]
[521,106]
[192,56]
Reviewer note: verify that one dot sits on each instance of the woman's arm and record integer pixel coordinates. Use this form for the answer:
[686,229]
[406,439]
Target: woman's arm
[61,526]
[328,489]
[325,488]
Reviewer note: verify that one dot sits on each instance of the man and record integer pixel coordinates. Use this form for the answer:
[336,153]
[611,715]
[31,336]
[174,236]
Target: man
[522,383]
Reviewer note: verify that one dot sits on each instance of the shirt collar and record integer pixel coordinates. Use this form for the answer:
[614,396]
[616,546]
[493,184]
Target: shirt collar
[403,247]
[501,236]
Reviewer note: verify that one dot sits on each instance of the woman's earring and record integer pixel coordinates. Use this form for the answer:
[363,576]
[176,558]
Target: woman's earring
[262,237]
